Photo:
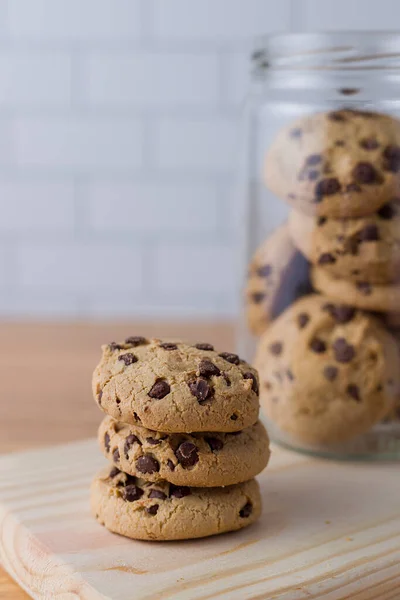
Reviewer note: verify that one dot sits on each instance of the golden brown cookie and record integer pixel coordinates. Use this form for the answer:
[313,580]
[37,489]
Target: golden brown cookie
[328,372]
[360,293]
[278,275]
[196,459]
[176,387]
[141,510]
[367,248]
[337,164]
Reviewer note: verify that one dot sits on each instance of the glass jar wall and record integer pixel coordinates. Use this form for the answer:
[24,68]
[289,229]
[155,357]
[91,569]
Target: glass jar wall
[321,241]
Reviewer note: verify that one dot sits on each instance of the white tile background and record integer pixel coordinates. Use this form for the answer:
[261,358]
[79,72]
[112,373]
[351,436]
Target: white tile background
[118,145]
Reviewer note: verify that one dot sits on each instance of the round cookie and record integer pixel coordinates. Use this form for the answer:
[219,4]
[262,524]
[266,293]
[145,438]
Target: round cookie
[328,372]
[176,387]
[362,294]
[367,248]
[278,275]
[199,460]
[343,163]
[144,511]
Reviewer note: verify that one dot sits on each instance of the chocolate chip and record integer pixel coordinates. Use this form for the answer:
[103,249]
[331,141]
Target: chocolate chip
[136,340]
[116,455]
[128,358]
[342,313]
[208,369]
[159,390]
[214,443]
[152,441]
[302,320]
[264,271]
[354,391]
[152,510]
[353,187]
[179,491]
[99,397]
[343,351]
[187,454]
[327,187]
[391,156]
[313,175]
[366,173]
[246,510]
[107,442]
[336,116]
[114,472]
[147,464]
[340,143]
[369,144]
[387,211]
[114,346]
[204,346]
[317,345]
[170,465]
[370,233]
[227,380]
[313,159]
[129,441]
[231,358]
[132,493]
[168,346]
[321,221]
[349,91]
[296,132]
[258,297]
[330,373]
[157,494]
[200,389]
[364,287]
[326,259]
[233,417]
[136,417]
[276,348]
[290,375]
[254,385]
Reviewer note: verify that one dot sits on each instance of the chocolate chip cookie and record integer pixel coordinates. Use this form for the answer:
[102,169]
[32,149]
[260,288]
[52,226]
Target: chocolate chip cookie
[176,387]
[197,459]
[328,371]
[278,275]
[338,164]
[367,248]
[142,510]
[359,293]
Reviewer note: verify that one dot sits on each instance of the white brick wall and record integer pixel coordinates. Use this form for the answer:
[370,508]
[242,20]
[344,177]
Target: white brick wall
[118,145]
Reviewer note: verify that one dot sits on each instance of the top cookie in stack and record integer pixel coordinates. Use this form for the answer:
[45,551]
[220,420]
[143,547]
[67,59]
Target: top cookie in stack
[175,387]
[156,394]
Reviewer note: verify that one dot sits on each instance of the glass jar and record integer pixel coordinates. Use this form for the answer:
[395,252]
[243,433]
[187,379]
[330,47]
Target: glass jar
[321,241]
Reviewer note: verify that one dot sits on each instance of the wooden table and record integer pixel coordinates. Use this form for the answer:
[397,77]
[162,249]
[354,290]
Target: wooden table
[45,373]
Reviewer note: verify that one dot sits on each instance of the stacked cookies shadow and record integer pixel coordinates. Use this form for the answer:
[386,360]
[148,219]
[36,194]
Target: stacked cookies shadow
[323,291]
[182,437]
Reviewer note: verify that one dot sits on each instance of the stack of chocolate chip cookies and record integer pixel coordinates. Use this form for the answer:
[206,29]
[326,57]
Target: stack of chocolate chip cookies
[183,439]
[324,289]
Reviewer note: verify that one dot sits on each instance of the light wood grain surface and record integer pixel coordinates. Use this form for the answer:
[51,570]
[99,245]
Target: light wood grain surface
[325,533]
[45,372]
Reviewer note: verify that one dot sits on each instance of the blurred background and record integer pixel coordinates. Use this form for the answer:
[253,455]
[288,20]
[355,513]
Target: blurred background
[119,124]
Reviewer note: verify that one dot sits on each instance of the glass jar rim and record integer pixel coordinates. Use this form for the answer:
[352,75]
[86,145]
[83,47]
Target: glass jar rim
[335,50]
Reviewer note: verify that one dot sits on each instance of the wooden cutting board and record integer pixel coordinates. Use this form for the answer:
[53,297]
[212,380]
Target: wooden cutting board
[329,531]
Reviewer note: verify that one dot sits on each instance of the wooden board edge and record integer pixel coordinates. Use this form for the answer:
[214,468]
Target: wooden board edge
[33,567]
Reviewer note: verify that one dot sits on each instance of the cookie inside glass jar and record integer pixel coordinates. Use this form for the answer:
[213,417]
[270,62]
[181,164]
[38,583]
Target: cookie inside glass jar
[324,142]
